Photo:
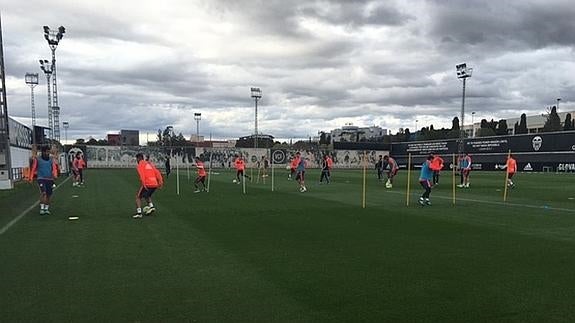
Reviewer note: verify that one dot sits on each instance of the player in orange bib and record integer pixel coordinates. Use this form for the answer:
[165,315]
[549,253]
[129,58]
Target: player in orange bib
[437,163]
[293,165]
[78,166]
[151,179]
[329,162]
[201,176]
[511,170]
[240,165]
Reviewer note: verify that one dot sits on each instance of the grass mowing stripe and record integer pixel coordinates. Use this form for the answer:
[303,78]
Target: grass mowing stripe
[21,215]
[492,202]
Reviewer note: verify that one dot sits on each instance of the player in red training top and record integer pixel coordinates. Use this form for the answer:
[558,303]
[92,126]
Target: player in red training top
[201,179]
[151,179]
[78,165]
[240,165]
[511,170]
[437,163]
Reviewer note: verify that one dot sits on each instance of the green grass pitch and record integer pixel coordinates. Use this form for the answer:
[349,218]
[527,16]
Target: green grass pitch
[286,256]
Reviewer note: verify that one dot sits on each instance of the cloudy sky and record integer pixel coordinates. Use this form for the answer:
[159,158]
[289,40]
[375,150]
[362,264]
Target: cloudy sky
[320,64]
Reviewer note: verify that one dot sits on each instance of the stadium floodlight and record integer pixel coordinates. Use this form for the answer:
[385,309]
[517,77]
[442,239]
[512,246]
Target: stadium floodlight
[558,99]
[53,38]
[32,80]
[463,72]
[256,95]
[47,68]
[197,117]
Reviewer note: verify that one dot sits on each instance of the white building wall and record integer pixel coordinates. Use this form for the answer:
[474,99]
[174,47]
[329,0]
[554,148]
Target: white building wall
[19,157]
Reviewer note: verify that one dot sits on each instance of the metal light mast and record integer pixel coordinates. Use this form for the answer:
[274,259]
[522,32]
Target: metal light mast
[53,38]
[32,80]
[256,94]
[463,72]
[47,68]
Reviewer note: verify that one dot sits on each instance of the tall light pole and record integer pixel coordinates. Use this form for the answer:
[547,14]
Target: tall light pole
[5,160]
[558,99]
[47,68]
[66,125]
[416,121]
[197,117]
[256,95]
[32,80]
[463,72]
[473,124]
[53,38]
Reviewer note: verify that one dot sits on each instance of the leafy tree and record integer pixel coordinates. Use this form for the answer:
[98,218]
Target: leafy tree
[568,124]
[323,138]
[455,124]
[486,129]
[407,134]
[522,128]
[553,122]
[501,128]
[80,141]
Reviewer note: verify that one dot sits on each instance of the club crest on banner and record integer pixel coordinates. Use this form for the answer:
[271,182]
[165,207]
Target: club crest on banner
[279,156]
[537,142]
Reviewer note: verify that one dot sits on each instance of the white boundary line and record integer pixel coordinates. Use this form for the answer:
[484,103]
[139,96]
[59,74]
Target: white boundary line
[21,215]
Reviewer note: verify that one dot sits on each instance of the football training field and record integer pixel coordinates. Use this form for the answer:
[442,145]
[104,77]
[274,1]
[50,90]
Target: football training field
[286,256]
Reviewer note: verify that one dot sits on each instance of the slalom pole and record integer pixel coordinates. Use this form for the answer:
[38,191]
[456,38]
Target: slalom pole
[272,166]
[178,176]
[408,178]
[363,201]
[506,177]
[244,181]
[453,177]
[210,172]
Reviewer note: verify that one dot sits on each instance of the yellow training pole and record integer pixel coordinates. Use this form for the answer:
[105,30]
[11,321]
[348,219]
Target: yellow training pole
[453,175]
[408,178]
[506,178]
[364,179]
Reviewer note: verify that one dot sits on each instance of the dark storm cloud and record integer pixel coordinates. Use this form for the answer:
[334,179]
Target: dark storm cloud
[357,13]
[503,25]
[283,17]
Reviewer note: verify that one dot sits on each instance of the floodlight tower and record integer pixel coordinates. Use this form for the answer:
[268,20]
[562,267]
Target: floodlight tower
[558,99]
[66,125]
[47,68]
[256,94]
[463,72]
[53,38]
[32,80]
[197,117]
